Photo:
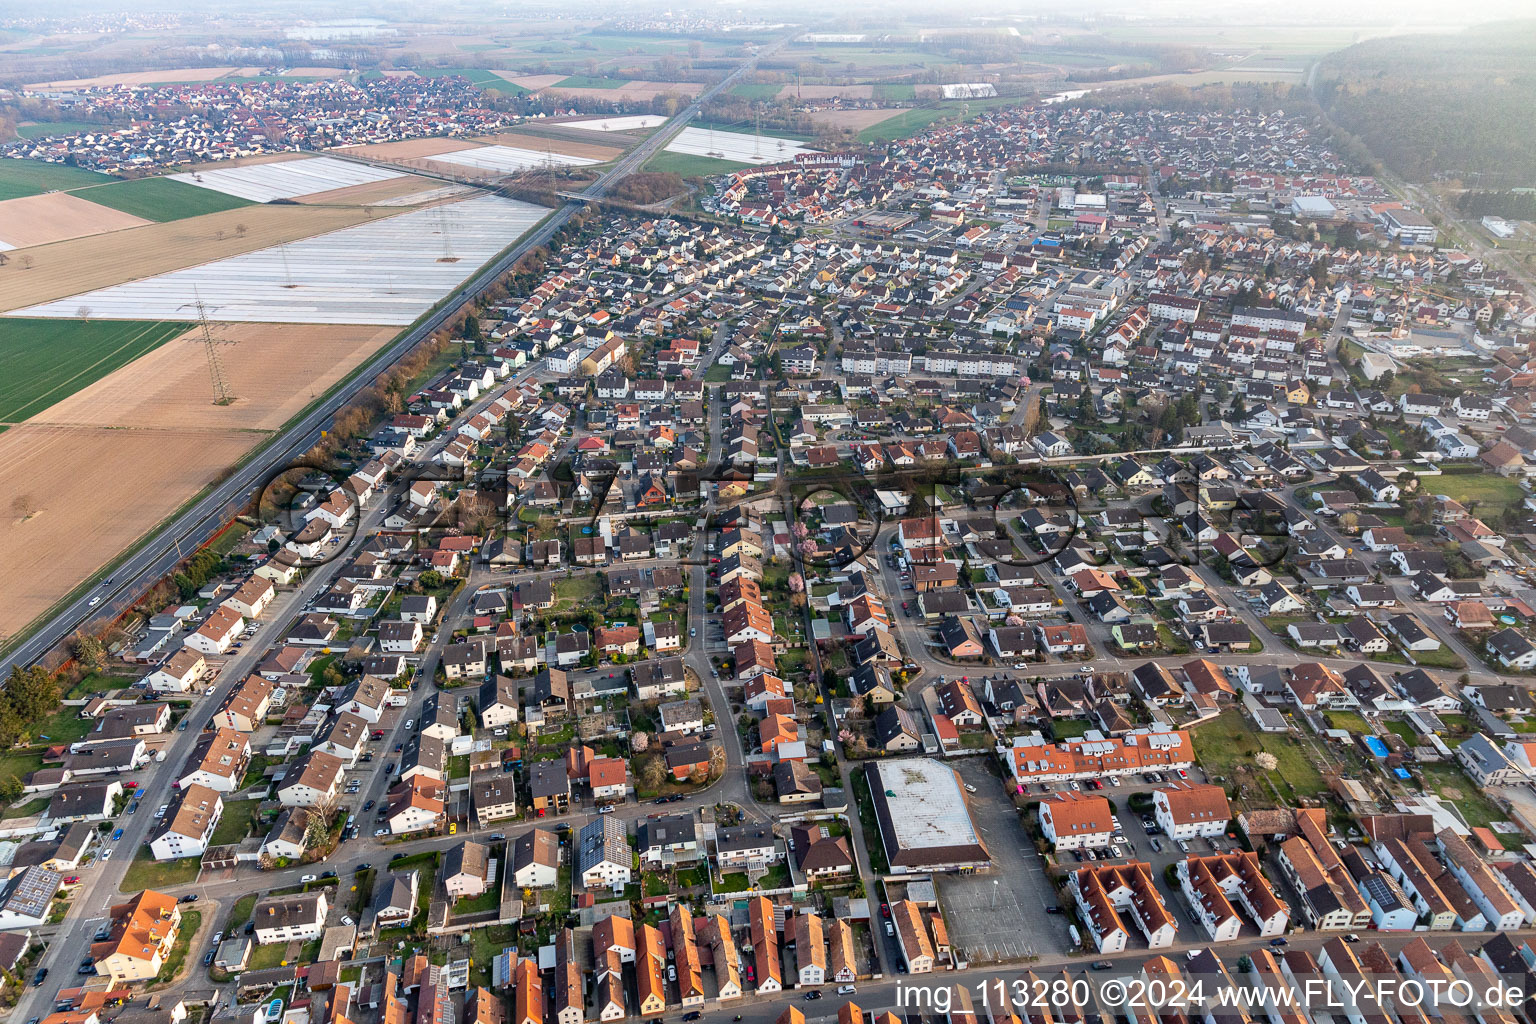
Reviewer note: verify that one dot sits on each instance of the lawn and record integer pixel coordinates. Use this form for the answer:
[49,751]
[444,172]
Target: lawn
[488,900]
[235,824]
[1448,782]
[1404,730]
[1069,728]
[27,809]
[43,361]
[1442,657]
[147,873]
[735,882]
[63,726]
[240,913]
[578,592]
[190,921]
[31,177]
[689,166]
[1227,744]
[96,682]
[161,199]
[18,764]
[1350,721]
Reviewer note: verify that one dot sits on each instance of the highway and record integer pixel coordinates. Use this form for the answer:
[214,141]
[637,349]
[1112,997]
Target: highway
[195,526]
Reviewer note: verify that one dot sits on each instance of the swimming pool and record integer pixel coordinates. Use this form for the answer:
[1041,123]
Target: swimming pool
[1375,746]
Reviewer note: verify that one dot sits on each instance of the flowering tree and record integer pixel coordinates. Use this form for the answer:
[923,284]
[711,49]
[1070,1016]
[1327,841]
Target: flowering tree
[801,531]
[1014,620]
[796,583]
[1265,760]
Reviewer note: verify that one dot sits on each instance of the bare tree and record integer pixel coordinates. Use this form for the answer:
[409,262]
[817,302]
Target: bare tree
[24,506]
[241,229]
[84,312]
[27,261]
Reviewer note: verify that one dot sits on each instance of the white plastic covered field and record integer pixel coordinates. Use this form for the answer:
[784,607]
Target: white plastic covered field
[388,271]
[508,159]
[286,179]
[736,147]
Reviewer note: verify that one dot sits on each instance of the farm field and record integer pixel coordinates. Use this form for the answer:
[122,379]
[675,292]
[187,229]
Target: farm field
[55,216]
[505,159]
[856,120]
[274,370]
[826,92]
[81,264]
[413,149]
[79,495]
[555,144]
[290,179]
[738,147]
[30,177]
[637,90]
[43,361]
[590,82]
[901,124]
[160,199]
[70,463]
[386,271]
[533,83]
[633,122]
[372,193]
[691,166]
[149,77]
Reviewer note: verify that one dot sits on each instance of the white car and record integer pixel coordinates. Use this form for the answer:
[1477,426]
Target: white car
[380,832]
[106,854]
[846,990]
[410,723]
[161,812]
[307,879]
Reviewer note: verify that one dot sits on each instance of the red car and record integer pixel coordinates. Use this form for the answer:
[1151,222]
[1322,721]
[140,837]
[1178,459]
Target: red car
[72,880]
[130,785]
[885,910]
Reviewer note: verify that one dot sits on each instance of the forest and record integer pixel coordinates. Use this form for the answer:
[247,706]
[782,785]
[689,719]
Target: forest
[1453,107]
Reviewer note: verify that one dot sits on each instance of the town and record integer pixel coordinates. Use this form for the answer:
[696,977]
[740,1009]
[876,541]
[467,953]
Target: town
[1065,540]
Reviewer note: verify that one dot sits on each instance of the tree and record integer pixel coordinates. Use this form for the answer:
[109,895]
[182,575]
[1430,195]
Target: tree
[796,583]
[652,772]
[11,789]
[1267,761]
[83,312]
[89,650]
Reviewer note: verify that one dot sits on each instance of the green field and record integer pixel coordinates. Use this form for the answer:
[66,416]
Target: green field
[1501,492]
[43,361]
[589,82]
[690,166]
[757,91]
[30,177]
[893,93]
[161,199]
[479,76]
[899,126]
[38,131]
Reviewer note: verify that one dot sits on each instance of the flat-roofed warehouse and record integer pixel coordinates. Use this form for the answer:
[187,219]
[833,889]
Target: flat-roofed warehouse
[925,822]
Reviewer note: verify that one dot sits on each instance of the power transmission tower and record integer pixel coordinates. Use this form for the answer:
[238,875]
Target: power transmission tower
[222,395]
[757,136]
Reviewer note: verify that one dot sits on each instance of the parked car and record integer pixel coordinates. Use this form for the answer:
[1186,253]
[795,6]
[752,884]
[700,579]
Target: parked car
[1103,965]
[307,879]
[846,990]
[117,834]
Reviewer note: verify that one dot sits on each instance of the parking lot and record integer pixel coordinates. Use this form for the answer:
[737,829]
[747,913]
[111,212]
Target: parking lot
[1156,850]
[1000,915]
